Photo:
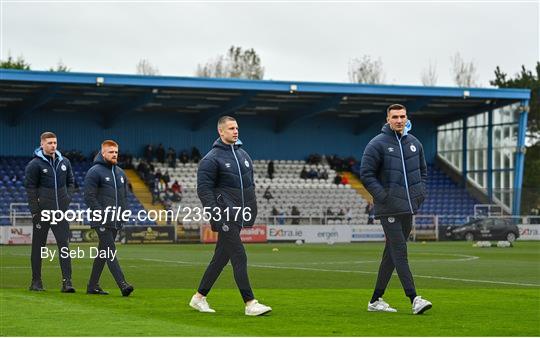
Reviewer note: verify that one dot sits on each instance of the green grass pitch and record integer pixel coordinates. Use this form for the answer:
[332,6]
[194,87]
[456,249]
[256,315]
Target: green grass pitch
[314,290]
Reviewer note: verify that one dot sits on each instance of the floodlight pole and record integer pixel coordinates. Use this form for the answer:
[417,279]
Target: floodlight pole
[490,156]
[520,157]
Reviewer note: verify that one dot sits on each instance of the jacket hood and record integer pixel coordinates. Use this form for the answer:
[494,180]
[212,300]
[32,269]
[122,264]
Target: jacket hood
[100,160]
[387,130]
[39,153]
[219,144]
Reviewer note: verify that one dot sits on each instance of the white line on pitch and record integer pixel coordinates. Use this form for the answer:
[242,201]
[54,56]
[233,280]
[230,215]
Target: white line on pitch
[374,273]
[354,271]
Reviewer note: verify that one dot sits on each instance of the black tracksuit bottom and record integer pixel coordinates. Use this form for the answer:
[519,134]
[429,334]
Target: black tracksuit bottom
[397,230]
[106,242]
[39,240]
[228,247]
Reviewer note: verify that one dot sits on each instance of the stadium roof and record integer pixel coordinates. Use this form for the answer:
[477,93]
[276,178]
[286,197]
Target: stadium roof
[116,96]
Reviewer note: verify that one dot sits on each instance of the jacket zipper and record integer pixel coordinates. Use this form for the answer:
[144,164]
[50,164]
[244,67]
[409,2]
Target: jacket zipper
[115,194]
[405,173]
[55,184]
[241,183]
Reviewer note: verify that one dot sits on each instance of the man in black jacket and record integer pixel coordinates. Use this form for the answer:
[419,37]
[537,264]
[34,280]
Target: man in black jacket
[226,188]
[394,172]
[48,177]
[106,189]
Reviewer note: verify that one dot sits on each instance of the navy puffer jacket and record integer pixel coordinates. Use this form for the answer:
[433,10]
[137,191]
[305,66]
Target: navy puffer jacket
[394,171]
[225,180]
[105,185]
[49,183]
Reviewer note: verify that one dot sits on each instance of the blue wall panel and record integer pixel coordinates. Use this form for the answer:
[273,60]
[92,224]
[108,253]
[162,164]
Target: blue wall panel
[317,135]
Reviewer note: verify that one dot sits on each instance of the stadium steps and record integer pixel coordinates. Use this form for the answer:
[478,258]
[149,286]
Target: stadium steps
[143,194]
[357,185]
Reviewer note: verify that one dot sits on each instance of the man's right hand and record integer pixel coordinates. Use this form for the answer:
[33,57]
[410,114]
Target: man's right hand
[35,219]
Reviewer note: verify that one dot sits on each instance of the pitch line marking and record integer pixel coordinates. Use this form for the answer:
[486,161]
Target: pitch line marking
[374,273]
[351,271]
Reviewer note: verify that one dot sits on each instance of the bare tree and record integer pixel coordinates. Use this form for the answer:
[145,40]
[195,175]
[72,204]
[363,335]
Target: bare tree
[238,63]
[366,70]
[144,67]
[429,75]
[464,72]
[213,68]
[60,67]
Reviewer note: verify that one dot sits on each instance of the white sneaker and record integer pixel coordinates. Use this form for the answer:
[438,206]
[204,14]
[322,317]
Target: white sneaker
[380,306]
[200,304]
[257,309]
[420,305]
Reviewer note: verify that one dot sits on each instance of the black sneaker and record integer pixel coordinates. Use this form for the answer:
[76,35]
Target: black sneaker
[36,285]
[96,290]
[126,289]
[67,287]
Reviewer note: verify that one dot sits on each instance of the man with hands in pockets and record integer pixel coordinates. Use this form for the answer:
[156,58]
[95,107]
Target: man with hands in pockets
[226,188]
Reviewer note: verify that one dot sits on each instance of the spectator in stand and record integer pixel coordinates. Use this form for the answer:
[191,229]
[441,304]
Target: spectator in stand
[171,158]
[349,163]
[344,180]
[168,194]
[177,197]
[75,156]
[154,187]
[14,178]
[337,179]
[312,174]
[268,194]
[281,216]
[148,153]
[160,153]
[324,175]
[158,174]
[166,178]
[275,211]
[195,155]
[176,187]
[314,159]
[349,215]
[271,170]
[129,160]
[162,185]
[329,214]
[149,179]
[341,215]
[184,157]
[304,173]
[142,168]
[295,213]
[370,211]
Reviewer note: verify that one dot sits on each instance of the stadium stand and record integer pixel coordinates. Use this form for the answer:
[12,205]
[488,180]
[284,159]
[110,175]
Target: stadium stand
[312,197]
[13,195]
[317,200]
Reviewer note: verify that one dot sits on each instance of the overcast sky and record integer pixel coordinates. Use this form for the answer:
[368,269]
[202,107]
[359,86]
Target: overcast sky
[296,41]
